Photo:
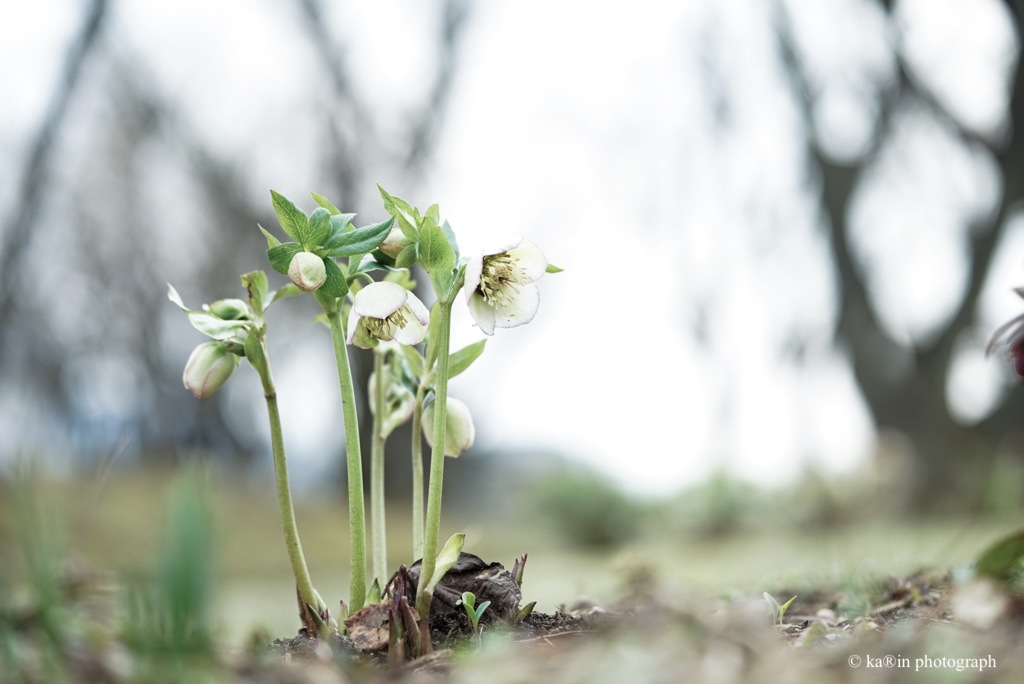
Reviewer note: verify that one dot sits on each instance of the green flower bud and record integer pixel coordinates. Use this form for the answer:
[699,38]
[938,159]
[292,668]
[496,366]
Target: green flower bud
[308,271]
[394,243]
[459,432]
[208,367]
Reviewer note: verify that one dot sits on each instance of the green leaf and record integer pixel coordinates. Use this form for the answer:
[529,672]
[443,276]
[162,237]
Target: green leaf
[281,256]
[433,213]
[408,217]
[414,359]
[293,220]
[553,269]
[1003,560]
[407,257]
[436,255]
[446,559]
[255,283]
[319,227]
[335,285]
[773,606]
[173,295]
[462,359]
[469,599]
[271,240]
[360,240]
[325,203]
[785,606]
[289,290]
[449,235]
[525,612]
[254,352]
[215,327]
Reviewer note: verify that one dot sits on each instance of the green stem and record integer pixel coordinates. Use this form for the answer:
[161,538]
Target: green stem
[353,455]
[377,508]
[433,525]
[307,594]
[417,475]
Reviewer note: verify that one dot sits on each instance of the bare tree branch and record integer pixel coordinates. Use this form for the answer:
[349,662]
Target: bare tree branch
[22,223]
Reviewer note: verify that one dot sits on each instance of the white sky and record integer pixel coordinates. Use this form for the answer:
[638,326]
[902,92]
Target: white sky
[596,133]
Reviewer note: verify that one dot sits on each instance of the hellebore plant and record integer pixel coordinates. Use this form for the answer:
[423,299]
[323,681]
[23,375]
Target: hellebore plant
[333,260]
[238,330]
[319,239]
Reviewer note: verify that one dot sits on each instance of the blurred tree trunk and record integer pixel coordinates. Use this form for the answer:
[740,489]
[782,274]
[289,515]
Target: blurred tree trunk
[904,386]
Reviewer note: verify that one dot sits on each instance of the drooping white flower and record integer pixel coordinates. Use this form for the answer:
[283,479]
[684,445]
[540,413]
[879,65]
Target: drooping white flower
[386,311]
[500,285]
[208,368]
[459,432]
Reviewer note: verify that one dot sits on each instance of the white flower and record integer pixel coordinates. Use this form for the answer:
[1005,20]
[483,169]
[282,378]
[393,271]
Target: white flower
[459,432]
[500,285]
[385,311]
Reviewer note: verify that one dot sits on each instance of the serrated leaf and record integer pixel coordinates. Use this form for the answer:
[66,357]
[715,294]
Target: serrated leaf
[464,358]
[325,203]
[281,256]
[407,257]
[360,240]
[335,285]
[319,227]
[293,220]
[436,255]
[433,213]
[553,269]
[414,359]
[271,240]
[340,224]
[406,214]
[1003,560]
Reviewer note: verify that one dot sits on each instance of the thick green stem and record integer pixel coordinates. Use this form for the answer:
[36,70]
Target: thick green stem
[417,476]
[353,455]
[377,508]
[307,594]
[433,525]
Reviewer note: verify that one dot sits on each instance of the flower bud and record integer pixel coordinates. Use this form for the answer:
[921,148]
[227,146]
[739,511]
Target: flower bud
[308,271]
[208,367]
[459,431]
[229,309]
[394,243]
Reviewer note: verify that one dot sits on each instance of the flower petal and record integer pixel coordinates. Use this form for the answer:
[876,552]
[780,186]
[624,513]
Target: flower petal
[418,308]
[412,333]
[353,321]
[530,259]
[379,300]
[520,309]
[506,244]
[482,313]
[474,269]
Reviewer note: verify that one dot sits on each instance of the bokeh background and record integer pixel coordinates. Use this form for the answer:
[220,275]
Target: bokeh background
[788,229]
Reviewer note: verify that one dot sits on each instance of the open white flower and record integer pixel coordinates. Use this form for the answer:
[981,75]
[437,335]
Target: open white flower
[500,285]
[385,311]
